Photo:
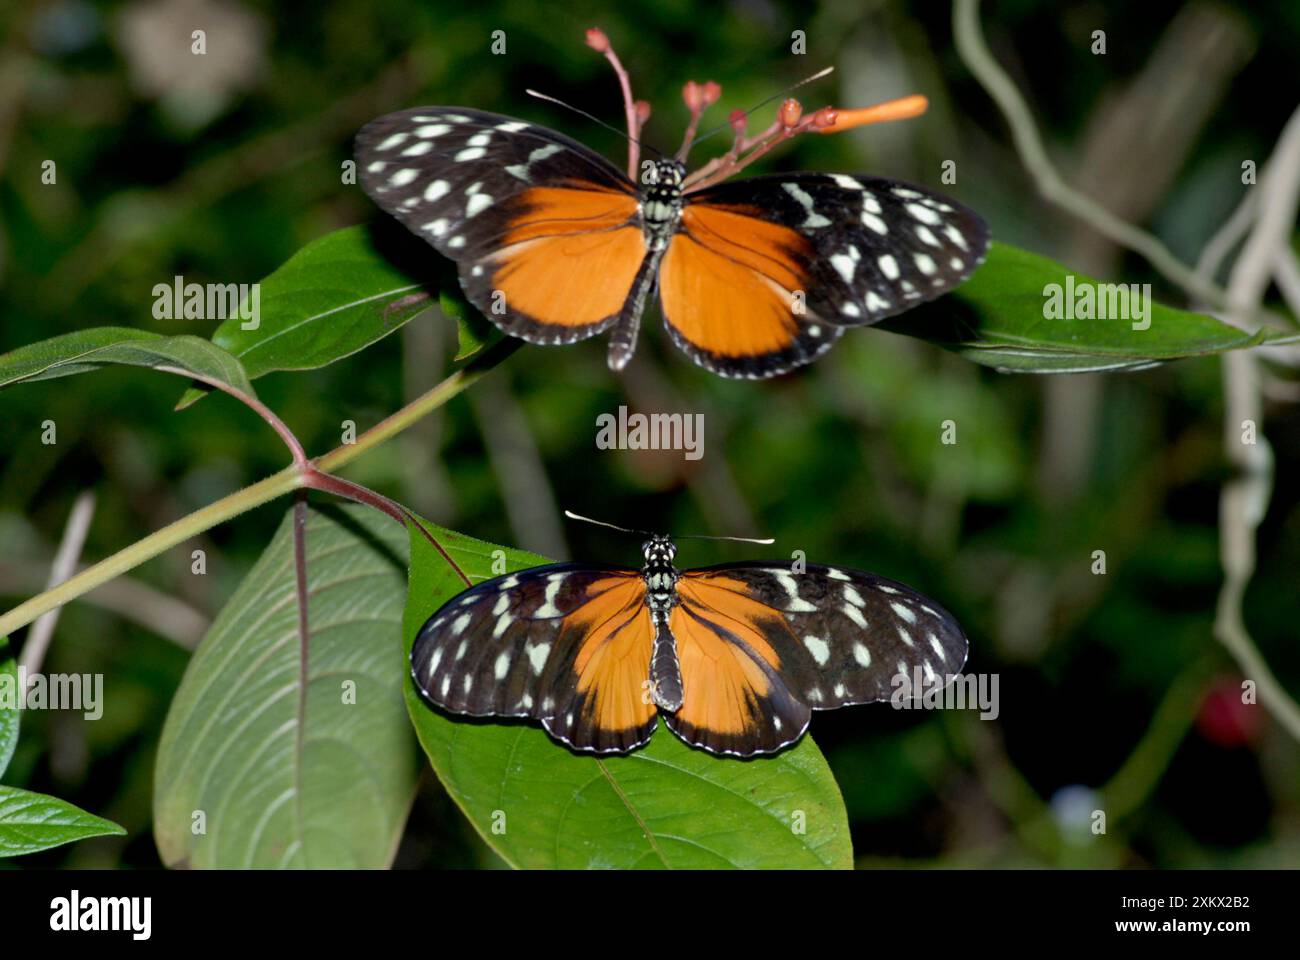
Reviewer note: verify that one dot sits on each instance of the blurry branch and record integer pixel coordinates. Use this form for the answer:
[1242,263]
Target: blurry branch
[1137,137]
[525,488]
[1245,497]
[1010,792]
[65,562]
[424,356]
[975,52]
[710,482]
[1126,791]
[130,599]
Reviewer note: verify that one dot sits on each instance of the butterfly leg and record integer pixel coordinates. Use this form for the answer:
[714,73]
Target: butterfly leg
[665,670]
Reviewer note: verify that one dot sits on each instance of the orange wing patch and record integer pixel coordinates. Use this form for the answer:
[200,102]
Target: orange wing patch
[734,700]
[569,258]
[721,684]
[728,283]
[612,663]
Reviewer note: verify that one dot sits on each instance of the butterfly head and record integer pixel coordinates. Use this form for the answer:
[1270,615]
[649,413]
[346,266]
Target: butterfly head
[659,551]
[669,173]
[659,573]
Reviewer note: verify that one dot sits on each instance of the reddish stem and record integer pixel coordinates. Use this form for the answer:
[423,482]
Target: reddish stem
[597,40]
[257,406]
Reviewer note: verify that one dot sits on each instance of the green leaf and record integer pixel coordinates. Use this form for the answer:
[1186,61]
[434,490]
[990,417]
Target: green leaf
[30,822]
[473,331]
[333,297]
[92,349]
[285,771]
[538,804]
[998,318]
[9,712]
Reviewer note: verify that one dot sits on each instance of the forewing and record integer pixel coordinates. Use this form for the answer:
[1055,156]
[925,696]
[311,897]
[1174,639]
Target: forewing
[875,247]
[566,644]
[840,636]
[545,232]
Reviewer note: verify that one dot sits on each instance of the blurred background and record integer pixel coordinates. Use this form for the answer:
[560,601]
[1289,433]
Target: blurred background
[219,167]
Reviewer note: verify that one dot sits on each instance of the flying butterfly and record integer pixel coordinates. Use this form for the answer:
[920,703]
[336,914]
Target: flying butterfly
[754,278]
[734,657]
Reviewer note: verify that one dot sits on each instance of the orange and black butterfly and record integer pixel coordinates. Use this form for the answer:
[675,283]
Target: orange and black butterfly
[734,657]
[754,277]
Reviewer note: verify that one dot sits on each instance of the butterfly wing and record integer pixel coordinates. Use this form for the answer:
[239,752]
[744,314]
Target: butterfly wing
[763,273]
[734,699]
[795,642]
[545,232]
[565,644]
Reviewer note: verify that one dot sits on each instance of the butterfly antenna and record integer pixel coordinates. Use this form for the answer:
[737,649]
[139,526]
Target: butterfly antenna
[601,523]
[758,106]
[709,536]
[594,119]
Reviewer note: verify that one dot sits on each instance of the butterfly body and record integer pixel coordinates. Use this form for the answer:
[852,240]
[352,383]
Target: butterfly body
[734,658]
[753,277]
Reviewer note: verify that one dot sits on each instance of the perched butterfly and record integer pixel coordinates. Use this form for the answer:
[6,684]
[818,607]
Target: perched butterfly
[755,277]
[735,657]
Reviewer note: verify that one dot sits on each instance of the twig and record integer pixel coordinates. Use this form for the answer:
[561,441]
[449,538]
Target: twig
[974,51]
[257,406]
[65,562]
[1126,790]
[132,600]
[597,40]
[1245,498]
[525,488]
[264,491]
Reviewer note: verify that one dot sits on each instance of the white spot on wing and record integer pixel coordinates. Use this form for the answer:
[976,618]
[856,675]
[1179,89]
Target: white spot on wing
[477,204]
[820,650]
[923,213]
[906,612]
[805,200]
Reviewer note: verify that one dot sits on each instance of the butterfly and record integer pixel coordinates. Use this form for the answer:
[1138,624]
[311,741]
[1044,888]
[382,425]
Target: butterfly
[734,657]
[554,244]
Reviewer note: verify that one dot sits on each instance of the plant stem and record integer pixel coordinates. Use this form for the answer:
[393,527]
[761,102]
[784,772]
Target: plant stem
[291,478]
